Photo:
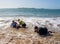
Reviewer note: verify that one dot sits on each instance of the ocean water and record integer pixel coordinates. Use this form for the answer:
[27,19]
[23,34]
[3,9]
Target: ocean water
[37,17]
[29,12]
[49,18]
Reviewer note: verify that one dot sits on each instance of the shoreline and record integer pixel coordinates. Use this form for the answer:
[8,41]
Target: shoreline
[26,36]
[51,23]
[10,35]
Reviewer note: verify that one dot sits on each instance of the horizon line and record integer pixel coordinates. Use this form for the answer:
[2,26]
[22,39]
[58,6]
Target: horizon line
[27,7]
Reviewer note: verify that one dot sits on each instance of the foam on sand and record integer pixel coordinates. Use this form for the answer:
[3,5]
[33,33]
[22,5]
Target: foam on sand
[10,35]
[52,23]
[26,36]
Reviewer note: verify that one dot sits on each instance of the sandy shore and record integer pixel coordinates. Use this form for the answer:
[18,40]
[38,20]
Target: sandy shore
[26,36]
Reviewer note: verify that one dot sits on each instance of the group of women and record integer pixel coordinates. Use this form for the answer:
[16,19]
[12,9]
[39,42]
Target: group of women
[18,24]
[39,30]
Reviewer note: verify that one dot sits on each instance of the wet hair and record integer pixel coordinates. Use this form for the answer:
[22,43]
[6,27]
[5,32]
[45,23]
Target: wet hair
[18,19]
[13,21]
[36,27]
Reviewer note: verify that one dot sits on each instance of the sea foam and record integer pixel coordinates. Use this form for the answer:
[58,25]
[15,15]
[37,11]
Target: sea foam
[51,23]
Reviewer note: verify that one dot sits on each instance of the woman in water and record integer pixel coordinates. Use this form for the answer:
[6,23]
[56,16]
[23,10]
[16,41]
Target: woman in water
[22,23]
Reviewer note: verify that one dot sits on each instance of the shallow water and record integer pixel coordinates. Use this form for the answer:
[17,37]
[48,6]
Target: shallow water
[51,23]
[10,35]
[26,36]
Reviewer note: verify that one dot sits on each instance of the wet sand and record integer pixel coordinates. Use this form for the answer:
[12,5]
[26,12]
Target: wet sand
[27,36]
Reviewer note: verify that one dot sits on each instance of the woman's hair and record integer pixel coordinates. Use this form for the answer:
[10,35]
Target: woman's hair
[36,27]
[13,21]
[18,19]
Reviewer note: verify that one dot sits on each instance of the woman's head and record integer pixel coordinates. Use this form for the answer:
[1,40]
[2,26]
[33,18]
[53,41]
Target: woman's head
[36,27]
[13,21]
[18,19]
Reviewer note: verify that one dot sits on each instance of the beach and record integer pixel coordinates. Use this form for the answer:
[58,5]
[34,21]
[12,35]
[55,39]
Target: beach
[41,18]
[9,35]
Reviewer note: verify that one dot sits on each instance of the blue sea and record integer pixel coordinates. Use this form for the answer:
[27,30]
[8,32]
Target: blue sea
[29,12]
[36,17]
